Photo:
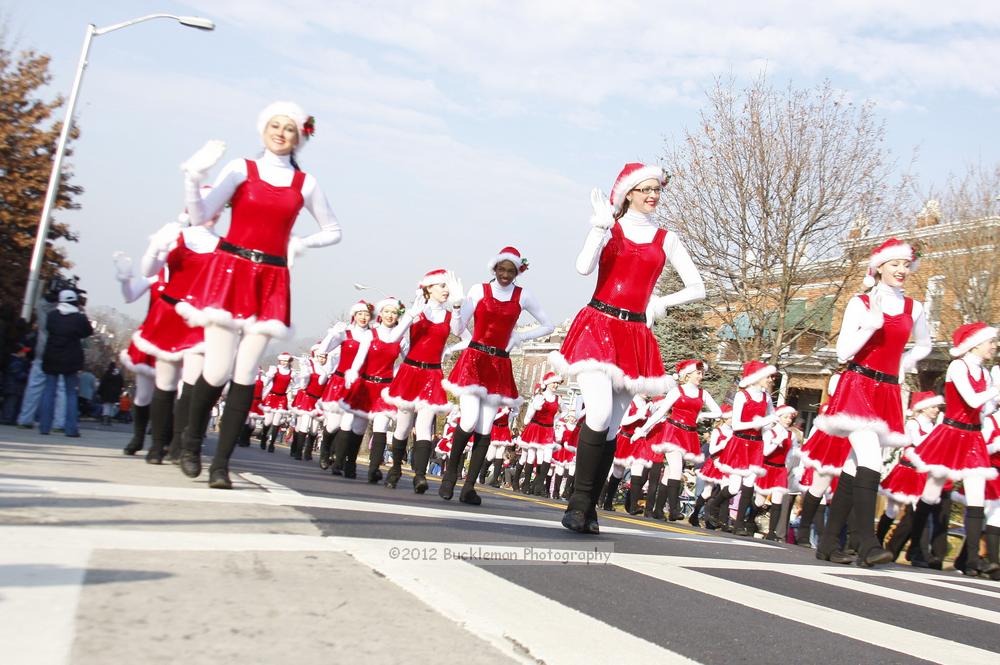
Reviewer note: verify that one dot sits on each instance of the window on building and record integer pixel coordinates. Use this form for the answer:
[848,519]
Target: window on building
[932,302]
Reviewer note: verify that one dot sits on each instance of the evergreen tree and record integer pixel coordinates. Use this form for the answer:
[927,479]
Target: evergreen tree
[28,139]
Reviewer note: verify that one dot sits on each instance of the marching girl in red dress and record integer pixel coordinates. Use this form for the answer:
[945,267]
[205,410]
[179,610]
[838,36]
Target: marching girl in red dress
[565,454]
[277,384]
[903,485]
[501,439]
[709,472]
[525,456]
[538,439]
[743,458]
[313,373]
[417,391]
[242,297]
[956,450]
[991,533]
[370,374]
[624,455]
[344,339]
[867,407]
[482,379]
[773,485]
[647,464]
[679,413]
[609,349]
[444,445]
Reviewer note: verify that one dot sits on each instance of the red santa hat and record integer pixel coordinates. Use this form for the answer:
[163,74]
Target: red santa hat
[967,337]
[361,306]
[387,302]
[509,254]
[891,250]
[303,122]
[754,371]
[687,366]
[550,377]
[925,399]
[631,175]
[284,355]
[436,276]
[783,409]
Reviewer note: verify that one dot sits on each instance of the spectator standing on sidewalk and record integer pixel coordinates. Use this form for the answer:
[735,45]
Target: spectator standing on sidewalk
[36,377]
[66,326]
[15,378]
[109,391]
[88,386]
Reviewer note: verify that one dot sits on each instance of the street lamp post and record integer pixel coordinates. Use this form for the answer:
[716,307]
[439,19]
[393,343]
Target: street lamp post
[38,254]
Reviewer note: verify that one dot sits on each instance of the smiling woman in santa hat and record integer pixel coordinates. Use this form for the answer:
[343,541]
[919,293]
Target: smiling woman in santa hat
[956,450]
[277,381]
[482,379]
[242,298]
[868,406]
[610,349]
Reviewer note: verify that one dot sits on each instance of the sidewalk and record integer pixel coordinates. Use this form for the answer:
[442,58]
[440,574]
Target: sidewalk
[106,559]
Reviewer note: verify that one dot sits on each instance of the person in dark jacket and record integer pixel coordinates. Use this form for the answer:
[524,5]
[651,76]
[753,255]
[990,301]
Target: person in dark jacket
[15,378]
[109,391]
[66,325]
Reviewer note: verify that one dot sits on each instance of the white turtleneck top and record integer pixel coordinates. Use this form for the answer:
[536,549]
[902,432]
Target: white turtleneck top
[860,324]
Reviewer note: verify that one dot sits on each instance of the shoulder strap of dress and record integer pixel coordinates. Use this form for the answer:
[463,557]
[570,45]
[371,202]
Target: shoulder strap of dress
[661,234]
[297,180]
[907,305]
[487,291]
[375,334]
[866,299]
[252,173]
[516,297]
[347,334]
[447,318]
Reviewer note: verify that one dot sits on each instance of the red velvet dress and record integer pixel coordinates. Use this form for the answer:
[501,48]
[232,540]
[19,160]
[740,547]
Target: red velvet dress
[861,402]
[566,453]
[500,434]
[624,350]
[277,398]
[304,403]
[164,333]
[956,449]
[135,358]
[744,453]
[539,433]
[904,483]
[645,450]
[478,372]
[258,394]
[680,431]
[624,447]
[417,386]
[333,392]
[364,397]
[775,472]
[237,291]
[825,453]
[444,443]
[709,471]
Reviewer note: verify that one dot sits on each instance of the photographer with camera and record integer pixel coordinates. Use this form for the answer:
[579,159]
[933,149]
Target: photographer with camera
[66,326]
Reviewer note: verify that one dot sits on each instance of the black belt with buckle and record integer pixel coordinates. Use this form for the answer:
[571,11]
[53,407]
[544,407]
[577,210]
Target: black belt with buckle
[968,427]
[874,374]
[491,350]
[541,424]
[253,255]
[775,465]
[376,379]
[617,312]
[686,428]
[417,363]
[338,373]
[170,300]
[750,437]
[309,394]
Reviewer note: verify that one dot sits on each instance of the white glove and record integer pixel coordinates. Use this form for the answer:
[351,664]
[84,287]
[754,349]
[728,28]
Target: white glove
[602,218]
[515,339]
[639,434]
[208,155]
[296,248]
[418,305]
[652,312]
[350,376]
[456,294]
[160,241]
[874,319]
[123,266]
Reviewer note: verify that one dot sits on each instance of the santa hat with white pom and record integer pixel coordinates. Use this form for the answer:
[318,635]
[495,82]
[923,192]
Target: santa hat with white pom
[891,250]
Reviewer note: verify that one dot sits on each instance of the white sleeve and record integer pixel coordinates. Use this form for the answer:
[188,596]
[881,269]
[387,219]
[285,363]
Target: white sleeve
[534,405]
[958,375]
[856,328]
[334,338]
[359,360]
[771,440]
[203,208]
[714,445]
[711,408]
[532,306]
[921,337]
[396,333]
[463,342]
[586,261]
[758,422]
[472,299]
[662,408]
[134,287]
[316,203]
[694,286]
[912,428]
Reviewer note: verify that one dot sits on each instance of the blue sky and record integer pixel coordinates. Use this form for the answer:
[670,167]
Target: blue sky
[446,130]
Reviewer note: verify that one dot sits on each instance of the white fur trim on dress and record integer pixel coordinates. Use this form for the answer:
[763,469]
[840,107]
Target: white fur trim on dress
[817,466]
[746,473]
[764,491]
[993,447]
[145,370]
[416,404]
[989,505]
[898,497]
[710,481]
[168,356]
[646,385]
[482,393]
[941,471]
[757,376]
[842,424]
[201,317]
[389,413]
[668,447]
[331,407]
[972,341]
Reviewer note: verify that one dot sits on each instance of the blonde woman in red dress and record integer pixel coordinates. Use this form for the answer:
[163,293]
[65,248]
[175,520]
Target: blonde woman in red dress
[709,472]
[609,349]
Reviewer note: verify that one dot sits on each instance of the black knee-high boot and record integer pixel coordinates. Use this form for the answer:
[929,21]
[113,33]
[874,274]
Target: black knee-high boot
[655,488]
[773,513]
[590,455]
[265,430]
[718,504]
[140,421]
[882,530]
[974,517]
[375,457]
[992,536]
[276,432]
[699,503]
[233,416]
[244,439]
[180,420]
[497,473]
[421,456]
[515,481]
[870,550]
[203,398]
[398,449]
[326,449]
[917,525]
[458,444]
[635,492]
[295,450]
[556,486]
[568,487]
[541,480]
[527,477]
[610,492]
[810,504]
[307,454]
[483,472]
[940,518]
[354,442]
[837,515]
[740,525]
[477,457]
[341,442]
[661,500]
[674,500]
[161,414]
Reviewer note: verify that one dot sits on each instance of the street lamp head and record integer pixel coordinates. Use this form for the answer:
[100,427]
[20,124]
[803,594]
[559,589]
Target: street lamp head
[196,22]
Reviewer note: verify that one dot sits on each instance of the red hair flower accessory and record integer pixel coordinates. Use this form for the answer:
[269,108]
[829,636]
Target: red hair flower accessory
[524,265]
[309,127]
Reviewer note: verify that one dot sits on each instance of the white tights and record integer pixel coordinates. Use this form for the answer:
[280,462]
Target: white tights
[144,385]
[477,414]
[422,421]
[605,406]
[618,470]
[975,490]
[675,466]
[228,356]
[303,422]
[495,451]
[820,484]
[866,452]
[736,481]
[331,421]
[544,455]
[358,425]
[892,509]
[169,372]
[706,491]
